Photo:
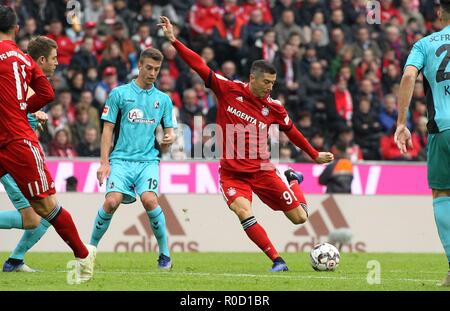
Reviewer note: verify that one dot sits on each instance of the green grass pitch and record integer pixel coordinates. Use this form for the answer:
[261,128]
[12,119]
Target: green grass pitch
[230,271]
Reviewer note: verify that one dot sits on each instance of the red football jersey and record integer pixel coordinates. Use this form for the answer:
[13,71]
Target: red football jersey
[245,121]
[18,71]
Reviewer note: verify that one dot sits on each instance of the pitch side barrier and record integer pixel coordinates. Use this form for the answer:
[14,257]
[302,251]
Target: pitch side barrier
[203,223]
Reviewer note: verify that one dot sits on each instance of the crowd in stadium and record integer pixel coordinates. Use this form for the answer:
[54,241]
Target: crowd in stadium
[338,75]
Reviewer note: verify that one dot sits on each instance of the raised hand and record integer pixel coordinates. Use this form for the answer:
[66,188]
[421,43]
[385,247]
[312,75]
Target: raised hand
[167,28]
[324,157]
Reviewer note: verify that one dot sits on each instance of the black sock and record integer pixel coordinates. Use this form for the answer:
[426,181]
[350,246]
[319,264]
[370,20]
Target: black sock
[14,261]
[279,259]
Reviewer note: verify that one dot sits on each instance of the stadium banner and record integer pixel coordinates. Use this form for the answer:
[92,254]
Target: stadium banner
[203,223]
[202,177]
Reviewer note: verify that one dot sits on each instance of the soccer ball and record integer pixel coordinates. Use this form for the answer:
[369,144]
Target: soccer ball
[324,257]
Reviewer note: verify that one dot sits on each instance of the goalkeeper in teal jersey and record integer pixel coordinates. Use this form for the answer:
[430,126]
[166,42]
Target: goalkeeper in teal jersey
[132,112]
[44,52]
[431,56]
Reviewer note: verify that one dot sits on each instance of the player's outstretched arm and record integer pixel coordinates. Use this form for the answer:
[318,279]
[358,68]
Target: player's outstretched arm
[300,141]
[190,57]
[44,94]
[104,169]
[324,157]
[402,135]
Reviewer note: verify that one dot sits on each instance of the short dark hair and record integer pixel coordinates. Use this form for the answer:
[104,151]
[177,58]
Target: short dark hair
[363,28]
[268,30]
[143,25]
[64,90]
[287,10]
[262,66]
[341,146]
[445,5]
[8,19]
[41,46]
[151,53]
[55,21]
[71,184]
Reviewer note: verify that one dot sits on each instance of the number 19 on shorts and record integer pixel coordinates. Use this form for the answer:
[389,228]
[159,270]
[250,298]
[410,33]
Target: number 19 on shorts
[152,184]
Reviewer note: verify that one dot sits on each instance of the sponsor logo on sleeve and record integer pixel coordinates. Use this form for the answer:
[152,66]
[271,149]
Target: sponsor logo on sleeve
[105,110]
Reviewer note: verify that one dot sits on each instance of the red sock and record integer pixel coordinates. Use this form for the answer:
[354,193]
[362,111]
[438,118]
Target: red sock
[258,235]
[295,187]
[66,229]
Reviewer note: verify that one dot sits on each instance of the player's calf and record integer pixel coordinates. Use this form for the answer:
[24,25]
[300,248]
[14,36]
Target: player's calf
[63,223]
[158,224]
[298,215]
[30,220]
[104,216]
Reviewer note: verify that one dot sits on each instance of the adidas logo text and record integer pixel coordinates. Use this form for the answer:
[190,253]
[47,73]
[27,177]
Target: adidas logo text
[139,237]
[317,229]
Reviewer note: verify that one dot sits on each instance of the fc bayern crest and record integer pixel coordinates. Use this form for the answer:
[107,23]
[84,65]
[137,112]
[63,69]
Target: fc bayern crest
[231,191]
[265,111]
[156,104]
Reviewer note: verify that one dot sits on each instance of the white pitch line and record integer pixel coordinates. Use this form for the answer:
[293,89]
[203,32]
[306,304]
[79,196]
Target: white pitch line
[247,275]
[422,272]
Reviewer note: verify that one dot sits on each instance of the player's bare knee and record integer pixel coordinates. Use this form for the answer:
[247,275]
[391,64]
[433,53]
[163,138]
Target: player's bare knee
[301,219]
[149,202]
[40,207]
[44,206]
[242,212]
[297,220]
[297,216]
[30,220]
[31,223]
[242,208]
[111,204]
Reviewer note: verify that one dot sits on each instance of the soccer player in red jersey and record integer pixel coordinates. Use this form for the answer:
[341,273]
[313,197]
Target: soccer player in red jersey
[246,111]
[20,153]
